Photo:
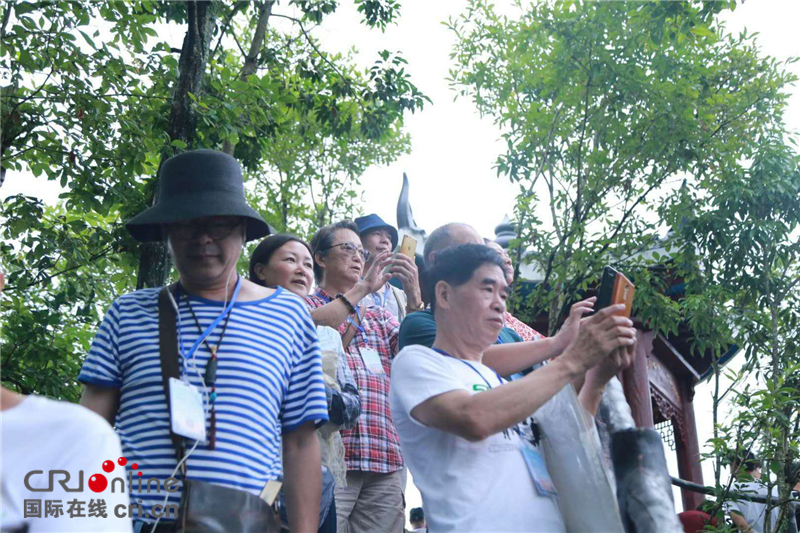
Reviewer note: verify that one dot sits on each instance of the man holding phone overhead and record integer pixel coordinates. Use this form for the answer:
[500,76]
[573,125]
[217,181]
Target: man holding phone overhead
[377,236]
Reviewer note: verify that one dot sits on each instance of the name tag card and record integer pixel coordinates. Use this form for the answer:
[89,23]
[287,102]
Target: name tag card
[537,468]
[372,360]
[186,410]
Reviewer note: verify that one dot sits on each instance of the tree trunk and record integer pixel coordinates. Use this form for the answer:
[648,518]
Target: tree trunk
[154,263]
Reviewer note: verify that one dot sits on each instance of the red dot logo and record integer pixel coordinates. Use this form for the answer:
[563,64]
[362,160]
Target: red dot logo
[140,474]
[98,483]
[122,461]
[134,466]
[108,466]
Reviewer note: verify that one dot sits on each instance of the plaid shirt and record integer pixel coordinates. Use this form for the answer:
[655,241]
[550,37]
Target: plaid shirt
[523,330]
[372,445]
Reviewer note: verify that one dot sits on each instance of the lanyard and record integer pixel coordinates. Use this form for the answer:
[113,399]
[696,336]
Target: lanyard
[360,327]
[472,367]
[323,295]
[193,350]
[377,299]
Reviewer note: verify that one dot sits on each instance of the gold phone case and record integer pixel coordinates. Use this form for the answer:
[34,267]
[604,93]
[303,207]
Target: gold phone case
[409,246]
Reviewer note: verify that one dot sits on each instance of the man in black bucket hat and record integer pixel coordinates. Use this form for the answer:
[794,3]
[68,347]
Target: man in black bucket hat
[248,386]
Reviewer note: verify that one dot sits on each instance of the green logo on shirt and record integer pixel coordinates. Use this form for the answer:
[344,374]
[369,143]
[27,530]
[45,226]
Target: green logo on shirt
[479,387]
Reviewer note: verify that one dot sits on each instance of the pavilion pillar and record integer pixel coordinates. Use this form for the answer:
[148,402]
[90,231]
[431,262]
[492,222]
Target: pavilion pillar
[637,384]
[688,449]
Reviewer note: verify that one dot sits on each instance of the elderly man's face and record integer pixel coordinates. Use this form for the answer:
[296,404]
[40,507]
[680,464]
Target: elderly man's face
[344,261]
[508,266]
[377,241]
[478,306]
[206,249]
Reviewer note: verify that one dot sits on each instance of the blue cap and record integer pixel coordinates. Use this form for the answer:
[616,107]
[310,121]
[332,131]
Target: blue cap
[373,221]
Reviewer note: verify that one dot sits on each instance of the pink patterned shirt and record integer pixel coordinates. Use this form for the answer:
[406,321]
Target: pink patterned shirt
[523,330]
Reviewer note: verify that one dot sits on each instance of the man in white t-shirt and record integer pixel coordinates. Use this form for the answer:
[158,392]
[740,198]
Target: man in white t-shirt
[45,435]
[468,436]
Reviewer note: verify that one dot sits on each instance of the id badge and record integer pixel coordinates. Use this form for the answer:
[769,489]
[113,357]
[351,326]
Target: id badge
[186,410]
[538,470]
[372,360]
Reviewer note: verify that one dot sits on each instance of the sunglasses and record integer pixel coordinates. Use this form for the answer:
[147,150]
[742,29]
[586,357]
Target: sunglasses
[350,250]
[217,229]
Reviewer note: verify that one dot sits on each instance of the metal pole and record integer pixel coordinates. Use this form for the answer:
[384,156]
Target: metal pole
[640,467]
[694,487]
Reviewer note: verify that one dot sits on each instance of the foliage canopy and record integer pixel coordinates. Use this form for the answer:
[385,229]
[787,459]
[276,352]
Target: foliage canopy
[94,97]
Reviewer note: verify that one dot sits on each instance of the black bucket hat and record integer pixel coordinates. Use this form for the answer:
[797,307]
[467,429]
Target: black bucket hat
[197,184]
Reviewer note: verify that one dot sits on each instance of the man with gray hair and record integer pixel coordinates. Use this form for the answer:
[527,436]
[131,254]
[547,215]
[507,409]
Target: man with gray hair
[471,438]
[249,387]
[509,355]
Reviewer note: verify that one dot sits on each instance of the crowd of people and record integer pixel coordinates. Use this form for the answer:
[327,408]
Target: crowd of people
[332,369]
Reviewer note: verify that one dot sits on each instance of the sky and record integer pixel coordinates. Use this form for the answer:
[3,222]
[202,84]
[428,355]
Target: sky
[453,149]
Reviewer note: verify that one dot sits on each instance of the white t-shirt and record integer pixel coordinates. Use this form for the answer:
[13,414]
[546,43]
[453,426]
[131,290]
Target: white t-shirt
[754,513]
[466,486]
[43,434]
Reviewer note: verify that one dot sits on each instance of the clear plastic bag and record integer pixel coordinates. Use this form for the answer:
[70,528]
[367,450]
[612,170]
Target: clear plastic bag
[331,445]
[571,446]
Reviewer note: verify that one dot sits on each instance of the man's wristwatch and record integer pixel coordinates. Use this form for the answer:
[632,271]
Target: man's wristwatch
[410,309]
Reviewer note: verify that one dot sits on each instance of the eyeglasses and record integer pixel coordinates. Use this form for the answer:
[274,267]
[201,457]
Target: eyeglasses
[217,229]
[351,250]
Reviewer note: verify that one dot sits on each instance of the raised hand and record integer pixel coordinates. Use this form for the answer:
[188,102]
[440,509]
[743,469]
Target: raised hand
[598,336]
[374,278]
[616,362]
[569,330]
[403,268]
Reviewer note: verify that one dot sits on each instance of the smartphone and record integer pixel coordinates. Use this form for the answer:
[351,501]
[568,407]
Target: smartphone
[408,248]
[615,288]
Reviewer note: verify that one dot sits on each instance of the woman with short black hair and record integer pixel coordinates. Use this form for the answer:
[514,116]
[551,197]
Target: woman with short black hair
[285,260]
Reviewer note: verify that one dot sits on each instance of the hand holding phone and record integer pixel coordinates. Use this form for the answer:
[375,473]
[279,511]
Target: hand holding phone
[408,248]
[615,288]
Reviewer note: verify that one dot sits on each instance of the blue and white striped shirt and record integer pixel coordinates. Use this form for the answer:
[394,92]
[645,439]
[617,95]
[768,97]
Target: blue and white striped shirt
[269,381]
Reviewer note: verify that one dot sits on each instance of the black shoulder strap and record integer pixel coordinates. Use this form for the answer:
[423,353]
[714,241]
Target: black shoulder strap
[170,366]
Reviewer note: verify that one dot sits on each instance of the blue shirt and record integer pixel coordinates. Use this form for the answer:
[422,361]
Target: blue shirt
[420,328]
[269,381]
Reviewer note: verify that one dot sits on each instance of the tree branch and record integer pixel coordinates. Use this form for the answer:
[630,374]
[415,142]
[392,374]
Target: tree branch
[95,257]
[539,171]
[17,345]
[251,59]
[556,225]
[225,29]
[291,41]
[6,17]
[236,40]
[107,95]
[37,91]
[311,42]
[581,140]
